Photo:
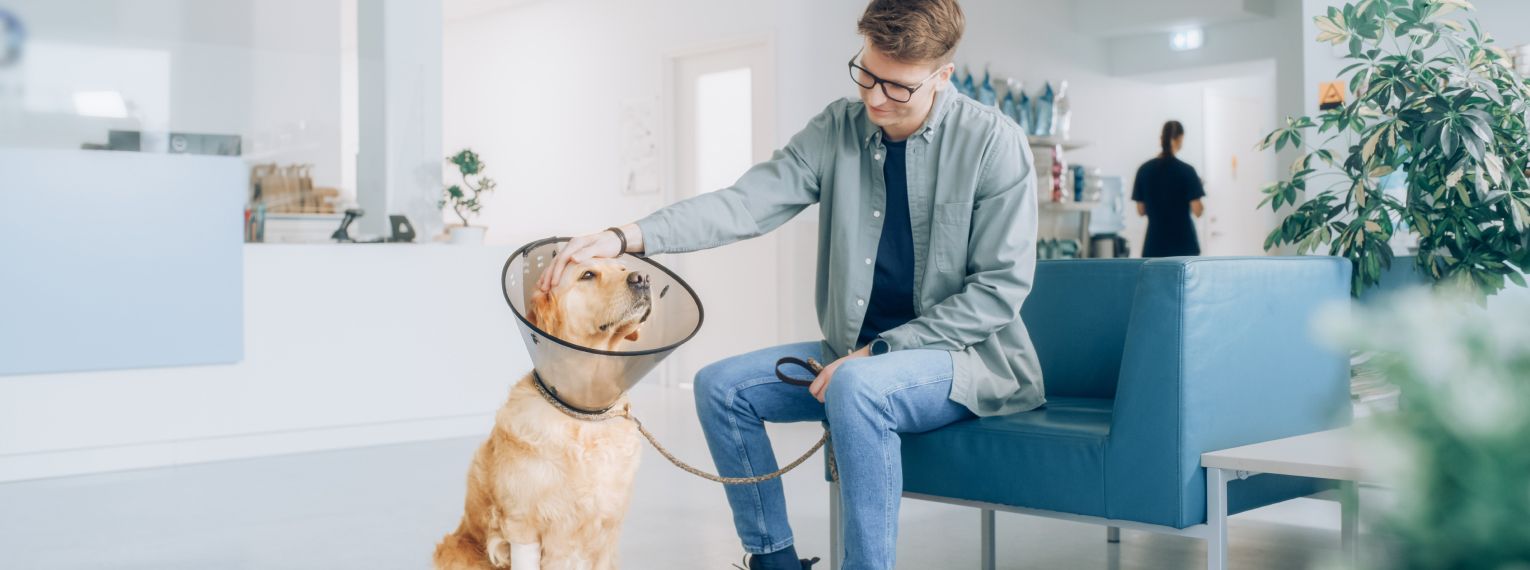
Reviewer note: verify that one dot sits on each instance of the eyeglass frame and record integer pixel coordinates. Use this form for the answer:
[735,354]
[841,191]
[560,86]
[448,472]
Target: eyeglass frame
[883,83]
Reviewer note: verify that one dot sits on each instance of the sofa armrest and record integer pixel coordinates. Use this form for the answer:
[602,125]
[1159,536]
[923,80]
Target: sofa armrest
[1219,353]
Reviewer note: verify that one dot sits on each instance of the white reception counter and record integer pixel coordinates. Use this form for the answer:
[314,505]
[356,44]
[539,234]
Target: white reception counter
[344,345]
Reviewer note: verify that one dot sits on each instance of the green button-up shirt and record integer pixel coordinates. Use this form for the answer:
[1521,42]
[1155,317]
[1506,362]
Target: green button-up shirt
[972,208]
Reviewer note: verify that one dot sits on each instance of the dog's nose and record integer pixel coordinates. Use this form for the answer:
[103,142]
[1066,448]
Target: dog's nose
[637,280]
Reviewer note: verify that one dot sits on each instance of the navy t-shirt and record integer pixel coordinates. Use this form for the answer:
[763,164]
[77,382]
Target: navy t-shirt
[892,287]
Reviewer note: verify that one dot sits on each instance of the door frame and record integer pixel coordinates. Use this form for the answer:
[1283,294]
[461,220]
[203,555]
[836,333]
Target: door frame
[762,59]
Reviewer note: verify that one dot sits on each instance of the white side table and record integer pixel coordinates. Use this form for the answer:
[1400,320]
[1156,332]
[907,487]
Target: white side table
[1322,455]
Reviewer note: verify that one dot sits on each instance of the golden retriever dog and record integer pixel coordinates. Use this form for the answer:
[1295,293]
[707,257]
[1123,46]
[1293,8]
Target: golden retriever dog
[546,490]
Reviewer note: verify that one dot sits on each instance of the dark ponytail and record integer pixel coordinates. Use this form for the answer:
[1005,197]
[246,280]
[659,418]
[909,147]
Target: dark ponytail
[1171,130]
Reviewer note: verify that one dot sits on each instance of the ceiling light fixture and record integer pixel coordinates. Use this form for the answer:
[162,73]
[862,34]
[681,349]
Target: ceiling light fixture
[1186,40]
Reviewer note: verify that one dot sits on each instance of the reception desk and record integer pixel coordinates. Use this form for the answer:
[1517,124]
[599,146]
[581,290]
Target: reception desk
[343,346]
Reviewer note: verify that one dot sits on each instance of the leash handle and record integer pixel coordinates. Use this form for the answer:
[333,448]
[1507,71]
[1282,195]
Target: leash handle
[809,365]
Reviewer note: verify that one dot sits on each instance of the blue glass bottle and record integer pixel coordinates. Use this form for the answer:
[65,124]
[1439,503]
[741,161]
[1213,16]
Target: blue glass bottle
[1023,113]
[1044,111]
[986,94]
[1007,106]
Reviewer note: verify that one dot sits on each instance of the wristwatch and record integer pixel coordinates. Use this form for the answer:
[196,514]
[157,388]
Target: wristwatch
[879,346]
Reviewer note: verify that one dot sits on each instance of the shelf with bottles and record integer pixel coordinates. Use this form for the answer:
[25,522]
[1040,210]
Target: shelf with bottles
[1048,114]
[1049,142]
[1085,206]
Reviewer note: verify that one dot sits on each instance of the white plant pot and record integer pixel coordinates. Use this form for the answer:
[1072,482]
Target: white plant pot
[471,235]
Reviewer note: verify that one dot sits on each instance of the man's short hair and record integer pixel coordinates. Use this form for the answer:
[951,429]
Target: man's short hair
[913,31]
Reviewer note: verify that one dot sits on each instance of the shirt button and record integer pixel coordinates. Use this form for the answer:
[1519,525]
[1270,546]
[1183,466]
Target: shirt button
[876,213]
[868,261]
[877,156]
[860,302]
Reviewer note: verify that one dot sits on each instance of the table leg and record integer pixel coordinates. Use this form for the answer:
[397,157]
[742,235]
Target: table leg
[1216,519]
[1349,534]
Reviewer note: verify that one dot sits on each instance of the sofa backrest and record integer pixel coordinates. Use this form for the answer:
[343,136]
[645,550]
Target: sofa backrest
[1077,314]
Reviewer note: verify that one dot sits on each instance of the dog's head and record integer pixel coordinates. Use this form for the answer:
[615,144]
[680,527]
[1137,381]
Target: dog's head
[596,304]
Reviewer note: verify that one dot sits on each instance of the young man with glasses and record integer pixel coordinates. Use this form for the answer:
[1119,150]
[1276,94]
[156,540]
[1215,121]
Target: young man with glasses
[927,247]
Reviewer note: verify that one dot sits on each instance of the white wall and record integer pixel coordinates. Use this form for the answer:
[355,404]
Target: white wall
[536,88]
[1507,20]
[1120,118]
[1118,17]
[398,112]
[267,70]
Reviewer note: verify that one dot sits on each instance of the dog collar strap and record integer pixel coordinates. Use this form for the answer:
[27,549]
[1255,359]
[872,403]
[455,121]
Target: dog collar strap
[552,395]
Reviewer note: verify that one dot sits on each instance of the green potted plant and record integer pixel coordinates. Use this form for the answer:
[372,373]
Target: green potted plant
[465,198]
[1436,104]
[1454,450]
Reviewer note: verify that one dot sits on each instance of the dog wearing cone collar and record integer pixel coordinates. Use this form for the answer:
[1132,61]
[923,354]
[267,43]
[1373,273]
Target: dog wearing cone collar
[547,490]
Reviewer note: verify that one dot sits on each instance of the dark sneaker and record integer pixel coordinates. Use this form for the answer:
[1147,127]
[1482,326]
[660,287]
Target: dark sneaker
[753,563]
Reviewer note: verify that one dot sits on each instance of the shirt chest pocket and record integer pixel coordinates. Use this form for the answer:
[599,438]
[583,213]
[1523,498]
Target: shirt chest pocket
[949,234]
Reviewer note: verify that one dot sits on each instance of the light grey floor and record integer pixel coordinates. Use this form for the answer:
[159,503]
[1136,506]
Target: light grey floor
[385,507]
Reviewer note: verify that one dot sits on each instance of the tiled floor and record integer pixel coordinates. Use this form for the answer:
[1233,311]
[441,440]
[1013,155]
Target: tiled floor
[385,507]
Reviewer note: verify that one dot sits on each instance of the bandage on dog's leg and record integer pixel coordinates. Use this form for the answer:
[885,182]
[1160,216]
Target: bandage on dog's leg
[526,556]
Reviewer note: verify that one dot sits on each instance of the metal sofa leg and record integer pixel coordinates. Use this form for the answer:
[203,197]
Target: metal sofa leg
[836,529]
[1112,534]
[988,556]
[1216,519]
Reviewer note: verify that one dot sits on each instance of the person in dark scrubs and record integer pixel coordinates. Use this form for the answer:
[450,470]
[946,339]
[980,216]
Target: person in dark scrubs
[1168,192]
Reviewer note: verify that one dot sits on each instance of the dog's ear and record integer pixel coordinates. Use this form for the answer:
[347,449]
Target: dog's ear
[544,313]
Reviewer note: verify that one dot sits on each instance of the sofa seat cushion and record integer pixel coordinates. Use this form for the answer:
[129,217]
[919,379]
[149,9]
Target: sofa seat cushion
[1051,458]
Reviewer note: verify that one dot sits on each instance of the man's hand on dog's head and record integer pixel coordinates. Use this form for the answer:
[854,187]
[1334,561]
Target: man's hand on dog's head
[589,246]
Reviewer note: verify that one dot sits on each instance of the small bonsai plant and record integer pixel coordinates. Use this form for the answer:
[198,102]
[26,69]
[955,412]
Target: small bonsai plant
[464,198]
[1436,104]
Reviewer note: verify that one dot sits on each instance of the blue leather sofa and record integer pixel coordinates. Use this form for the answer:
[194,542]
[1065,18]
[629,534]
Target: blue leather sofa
[1147,364]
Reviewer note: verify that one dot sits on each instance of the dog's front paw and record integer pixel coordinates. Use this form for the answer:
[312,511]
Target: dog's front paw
[499,552]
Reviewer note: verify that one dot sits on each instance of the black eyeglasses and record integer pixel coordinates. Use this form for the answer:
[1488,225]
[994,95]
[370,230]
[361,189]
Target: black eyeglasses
[892,89]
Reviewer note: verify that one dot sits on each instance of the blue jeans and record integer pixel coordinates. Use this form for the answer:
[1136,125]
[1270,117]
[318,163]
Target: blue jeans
[869,402]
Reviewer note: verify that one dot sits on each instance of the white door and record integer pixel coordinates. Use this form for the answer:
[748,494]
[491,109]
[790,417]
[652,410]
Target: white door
[723,109]
[1233,223]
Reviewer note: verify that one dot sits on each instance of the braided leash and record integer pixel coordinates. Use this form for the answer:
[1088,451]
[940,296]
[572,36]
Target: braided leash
[611,414]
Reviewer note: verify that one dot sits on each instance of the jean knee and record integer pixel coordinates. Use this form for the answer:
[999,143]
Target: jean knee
[853,388]
[714,383]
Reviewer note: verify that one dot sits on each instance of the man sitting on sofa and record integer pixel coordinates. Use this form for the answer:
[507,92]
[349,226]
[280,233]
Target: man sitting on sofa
[928,233]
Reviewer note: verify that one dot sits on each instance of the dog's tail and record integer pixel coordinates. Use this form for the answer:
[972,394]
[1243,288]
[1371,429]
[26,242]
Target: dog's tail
[461,551]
